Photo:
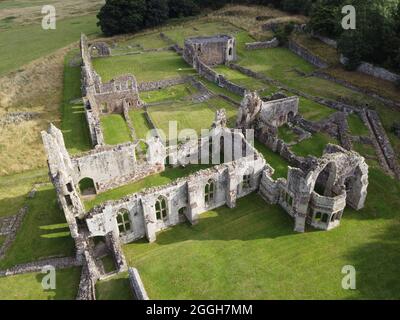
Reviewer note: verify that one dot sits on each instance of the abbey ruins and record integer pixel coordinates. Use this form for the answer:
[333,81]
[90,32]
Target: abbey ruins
[315,192]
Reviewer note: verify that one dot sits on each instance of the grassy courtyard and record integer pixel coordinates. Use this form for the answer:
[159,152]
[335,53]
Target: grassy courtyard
[194,116]
[115,129]
[43,233]
[252,252]
[29,286]
[149,66]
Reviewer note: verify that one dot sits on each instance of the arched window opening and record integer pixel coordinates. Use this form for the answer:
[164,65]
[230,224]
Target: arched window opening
[209,192]
[246,181]
[230,51]
[325,218]
[87,186]
[161,209]
[318,216]
[123,221]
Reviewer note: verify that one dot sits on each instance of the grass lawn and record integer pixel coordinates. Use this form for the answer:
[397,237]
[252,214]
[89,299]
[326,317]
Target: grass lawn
[21,45]
[140,43]
[114,288]
[150,66]
[313,146]
[74,125]
[286,134]
[15,188]
[313,111]
[357,126]
[274,160]
[218,90]
[240,78]
[43,233]
[115,129]
[159,179]
[252,252]
[174,93]
[29,286]
[195,116]
[317,47]
[140,123]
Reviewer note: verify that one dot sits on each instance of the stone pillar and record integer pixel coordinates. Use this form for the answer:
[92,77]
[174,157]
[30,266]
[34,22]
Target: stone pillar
[299,222]
[192,214]
[150,221]
[231,191]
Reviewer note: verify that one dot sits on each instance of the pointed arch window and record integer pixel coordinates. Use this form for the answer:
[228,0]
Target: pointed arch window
[209,192]
[161,209]
[123,221]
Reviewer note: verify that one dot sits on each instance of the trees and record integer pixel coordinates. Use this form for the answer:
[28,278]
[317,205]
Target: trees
[122,16]
[182,8]
[157,12]
[325,19]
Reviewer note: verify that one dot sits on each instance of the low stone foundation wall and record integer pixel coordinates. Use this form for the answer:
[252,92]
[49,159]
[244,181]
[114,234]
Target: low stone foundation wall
[307,55]
[137,285]
[262,44]
[161,84]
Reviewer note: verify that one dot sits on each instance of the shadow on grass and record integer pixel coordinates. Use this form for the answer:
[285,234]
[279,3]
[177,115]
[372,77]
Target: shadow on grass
[377,266]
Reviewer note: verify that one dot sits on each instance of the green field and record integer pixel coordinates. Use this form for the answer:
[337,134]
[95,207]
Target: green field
[115,129]
[218,90]
[29,286]
[140,123]
[173,93]
[240,78]
[140,43]
[313,111]
[115,288]
[357,126]
[195,116]
[313,146]
[15,188]
[27,43]
[149,66]
[251,252]
[279,164]
[43,233]
[286,134]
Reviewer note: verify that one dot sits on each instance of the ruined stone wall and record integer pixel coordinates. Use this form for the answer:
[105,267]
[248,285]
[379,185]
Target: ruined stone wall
[273,43]
[185,200]
[377,72]
[307,55]
[344,175]
[137,286]
[278,112]
[230,86]
[211,50]
[161,84]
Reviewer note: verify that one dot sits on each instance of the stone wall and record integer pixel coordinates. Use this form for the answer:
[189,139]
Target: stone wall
[137,286]
[343,175]
[184,198]
[306,54]
[262,44]
[377,72]
[156,85]
[212,51]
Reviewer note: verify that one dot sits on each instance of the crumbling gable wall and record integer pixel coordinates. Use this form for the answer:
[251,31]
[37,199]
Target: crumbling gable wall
[215,50]
[255,113]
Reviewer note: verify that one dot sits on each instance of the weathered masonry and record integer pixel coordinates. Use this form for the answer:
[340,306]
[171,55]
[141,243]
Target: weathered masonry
[215,50]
